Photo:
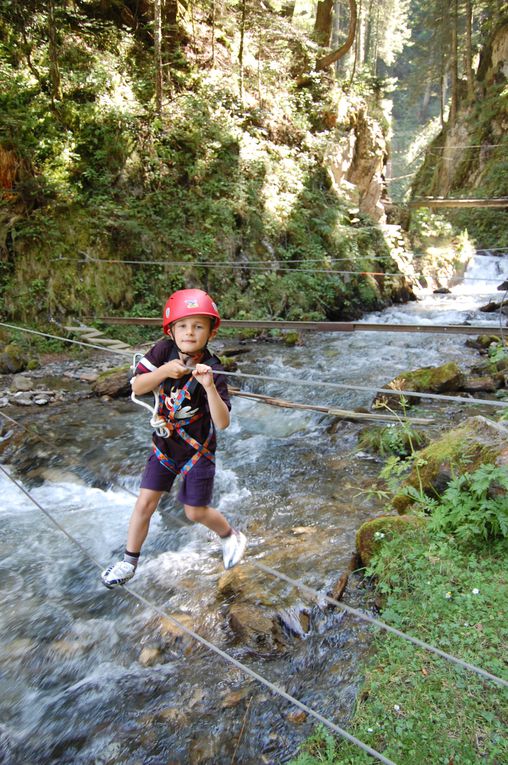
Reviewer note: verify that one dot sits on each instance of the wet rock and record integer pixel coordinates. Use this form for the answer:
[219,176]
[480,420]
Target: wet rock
[462,450]
[447,377]
[21,383]
[482,342]
[490,307]
[150,656]
[170,632]
[442,291]
[233,698]
[485,384]
[12,360]
[371,534]
[204,749]
[114,383]
[297,717]
[254,626]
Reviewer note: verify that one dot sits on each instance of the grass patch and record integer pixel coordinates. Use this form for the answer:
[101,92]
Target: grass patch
[417,708]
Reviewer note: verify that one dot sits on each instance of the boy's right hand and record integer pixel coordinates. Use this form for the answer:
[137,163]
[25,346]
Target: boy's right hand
[175,369]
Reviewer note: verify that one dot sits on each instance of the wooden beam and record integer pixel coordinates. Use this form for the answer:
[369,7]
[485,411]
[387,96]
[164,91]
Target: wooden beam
[345,414]
[438,202]
[323,326]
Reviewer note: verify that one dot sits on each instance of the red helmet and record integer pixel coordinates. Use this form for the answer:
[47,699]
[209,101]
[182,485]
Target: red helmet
[189,303]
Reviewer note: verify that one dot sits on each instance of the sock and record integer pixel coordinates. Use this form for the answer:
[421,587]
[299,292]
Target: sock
[226,536]
[130,557]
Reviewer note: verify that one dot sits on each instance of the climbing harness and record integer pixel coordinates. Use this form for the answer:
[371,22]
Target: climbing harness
[166,426]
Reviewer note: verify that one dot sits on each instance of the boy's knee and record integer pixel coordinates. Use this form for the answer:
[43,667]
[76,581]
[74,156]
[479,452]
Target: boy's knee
[146,506]
[195,514]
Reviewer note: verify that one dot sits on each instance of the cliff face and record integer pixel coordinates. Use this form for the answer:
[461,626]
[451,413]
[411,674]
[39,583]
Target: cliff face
[356,159]
[469,155]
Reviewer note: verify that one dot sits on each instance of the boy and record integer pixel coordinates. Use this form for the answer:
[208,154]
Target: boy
[192,404]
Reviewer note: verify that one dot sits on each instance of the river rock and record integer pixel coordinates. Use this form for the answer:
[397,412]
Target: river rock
[254,626]
[21,383]
[113,382]
[447,377]
[149,656]
[483,384]
[482,342]
[12,359]
[462,450]
[371,534]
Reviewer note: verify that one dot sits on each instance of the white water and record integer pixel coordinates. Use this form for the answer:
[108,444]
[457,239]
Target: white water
[64,639]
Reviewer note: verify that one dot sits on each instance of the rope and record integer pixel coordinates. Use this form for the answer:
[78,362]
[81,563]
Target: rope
[243,267]
[381,625]
[319,596]
[320,383]
[268,264]
[238,664]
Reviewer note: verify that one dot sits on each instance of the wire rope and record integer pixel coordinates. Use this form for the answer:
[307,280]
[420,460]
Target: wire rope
[286,382]
[223,654]
[244,267]
[332,601]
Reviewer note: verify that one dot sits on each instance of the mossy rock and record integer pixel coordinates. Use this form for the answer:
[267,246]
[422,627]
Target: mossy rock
[447,377]
[371,534]
[114,382]
[12,360]
[462,450]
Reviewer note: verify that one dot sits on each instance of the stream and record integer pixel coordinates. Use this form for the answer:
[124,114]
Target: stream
[91,676]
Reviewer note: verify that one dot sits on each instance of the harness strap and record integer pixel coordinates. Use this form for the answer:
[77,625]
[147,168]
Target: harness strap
[202,450]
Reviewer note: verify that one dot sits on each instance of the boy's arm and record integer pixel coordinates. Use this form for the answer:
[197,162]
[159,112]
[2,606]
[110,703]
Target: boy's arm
[219,411]
[148,381]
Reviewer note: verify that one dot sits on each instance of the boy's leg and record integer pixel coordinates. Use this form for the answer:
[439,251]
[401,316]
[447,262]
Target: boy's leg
[233,541]
[146,505]
[120,572]
[209,517]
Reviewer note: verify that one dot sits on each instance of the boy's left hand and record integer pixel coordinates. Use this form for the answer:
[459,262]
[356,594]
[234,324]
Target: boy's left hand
[204,375]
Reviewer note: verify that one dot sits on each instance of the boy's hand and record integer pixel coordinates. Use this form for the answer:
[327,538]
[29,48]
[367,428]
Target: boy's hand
[203,374]
[175,369]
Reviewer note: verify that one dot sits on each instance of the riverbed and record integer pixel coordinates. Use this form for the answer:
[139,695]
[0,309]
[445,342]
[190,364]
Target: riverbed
[89,675]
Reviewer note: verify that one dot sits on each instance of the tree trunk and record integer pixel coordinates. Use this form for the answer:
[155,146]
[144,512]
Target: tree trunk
[54,70]
[323,22]
[454,75]
[469,51]
[157,52]
[331,58]
[240,50]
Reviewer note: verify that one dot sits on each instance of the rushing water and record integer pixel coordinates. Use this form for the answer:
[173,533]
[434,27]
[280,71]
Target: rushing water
[93,676]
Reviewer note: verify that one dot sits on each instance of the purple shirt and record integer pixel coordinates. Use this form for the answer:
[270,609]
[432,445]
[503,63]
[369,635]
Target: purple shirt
[174,446]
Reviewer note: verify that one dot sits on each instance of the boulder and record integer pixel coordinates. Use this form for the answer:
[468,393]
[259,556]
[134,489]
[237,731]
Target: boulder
[12,360]
[462,450]
[371,534]
[442,379]
[114,382]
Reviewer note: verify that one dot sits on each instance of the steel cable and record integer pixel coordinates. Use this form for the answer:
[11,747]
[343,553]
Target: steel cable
[238,664]
[333,601]
[320,383]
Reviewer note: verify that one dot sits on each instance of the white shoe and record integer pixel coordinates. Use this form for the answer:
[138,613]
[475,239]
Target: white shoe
[117,574]
[233,548]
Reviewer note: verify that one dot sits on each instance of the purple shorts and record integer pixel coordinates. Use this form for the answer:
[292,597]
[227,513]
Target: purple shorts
[196,486]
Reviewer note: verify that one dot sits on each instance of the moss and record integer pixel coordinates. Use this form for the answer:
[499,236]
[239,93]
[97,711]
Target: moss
[463,450]
[372,534]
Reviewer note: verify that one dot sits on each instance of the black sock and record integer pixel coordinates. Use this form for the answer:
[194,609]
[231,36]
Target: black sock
[131,557]
[228,534]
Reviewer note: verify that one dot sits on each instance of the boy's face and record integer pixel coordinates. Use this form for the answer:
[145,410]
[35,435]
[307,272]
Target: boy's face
[192,333]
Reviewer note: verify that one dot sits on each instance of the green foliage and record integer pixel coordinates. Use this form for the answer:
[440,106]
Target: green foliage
[414,707]
[474,506]
[398,440]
